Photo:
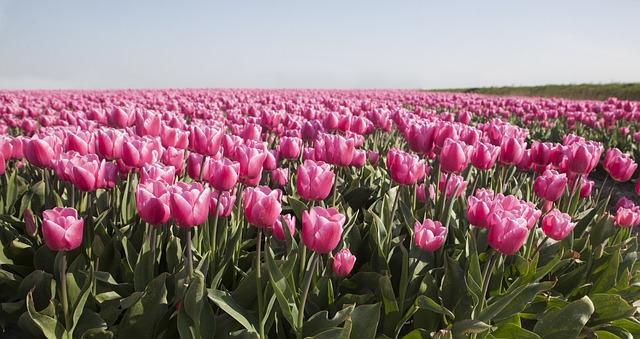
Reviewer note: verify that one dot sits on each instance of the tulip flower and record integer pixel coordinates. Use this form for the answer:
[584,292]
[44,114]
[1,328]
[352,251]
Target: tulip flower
[314,180]
[88,174]
[484,155]
[251,160]
[627,217]
[557,225]
[280,176]
[225,204]
[456,182]
[619,165]
[152,202]
[120,116]
[205,139]
[421,138]
[454,156]
[550,185]
[511,150]
[507,232]
[343,262]
[174,157]
[373,157]
[584,157]
[189,204]
[429,235]
[41,152]
[289,148]
[223,174]
[61,228]
[158,172]
[541,153]
[404,168]
[479,211]
[262,206]
[337,150]
[322,229]
[278,230]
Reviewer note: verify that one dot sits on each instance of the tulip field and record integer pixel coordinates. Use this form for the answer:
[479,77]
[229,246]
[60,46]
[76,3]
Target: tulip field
[317,213]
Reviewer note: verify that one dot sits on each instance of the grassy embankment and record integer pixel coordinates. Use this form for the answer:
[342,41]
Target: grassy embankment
[622,91]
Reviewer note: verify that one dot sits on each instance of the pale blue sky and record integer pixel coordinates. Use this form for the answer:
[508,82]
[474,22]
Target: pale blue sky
[316,44]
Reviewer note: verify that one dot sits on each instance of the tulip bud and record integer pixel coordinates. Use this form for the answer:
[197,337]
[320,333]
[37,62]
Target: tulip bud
[429,235]
[343,262]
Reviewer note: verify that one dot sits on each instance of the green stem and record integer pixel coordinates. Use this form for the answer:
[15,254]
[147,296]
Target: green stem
[259,284]
[204,159]
[305,290]
[538,248]
[388,238]
[63,290]
[335,191]
[487,277]
[189,255]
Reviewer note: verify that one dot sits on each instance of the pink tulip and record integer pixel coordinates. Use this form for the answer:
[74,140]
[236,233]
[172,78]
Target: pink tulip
[89,173]
[140,151]
[158,172]
[223,174]
[586,186]
[280,176]
[479,211]
[541,153]
[61,228]
[189,204]
[40,152]
[404,168]
[174,137]
[278,230]
[627,217]
[484,155]
[322,229]
[120,117]
[152,202]
[174,157]
[251,160]
[584,157]
[550,185]
[227,200]
[262,206]
[373,157]
[456,182]
[30,223]
[454,156]
[109,143]
[289,148]
[429,235]
[314,180]
[338,150]
[557,225]
[148,123]
[205,139]
[507,232]
[511,150]
[421,138]
[343,262]
[619,165]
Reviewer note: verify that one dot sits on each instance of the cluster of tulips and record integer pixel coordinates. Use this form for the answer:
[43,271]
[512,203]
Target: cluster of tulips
[229,213]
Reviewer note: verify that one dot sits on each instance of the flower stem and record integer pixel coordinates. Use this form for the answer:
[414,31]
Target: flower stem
[189,255]
[538,247]
[487,277]
[388,238]
[63,290]
[259,284]
[305,290]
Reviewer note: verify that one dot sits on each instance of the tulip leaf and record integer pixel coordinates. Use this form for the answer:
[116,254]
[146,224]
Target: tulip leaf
[298,207]
[320,321]
[604,273]
[365,319]
[141,318]
[517,303]
[609,307]
[228,305]
[191,309]
[49,326]
[632,325]
[419,333]
[602,230]
[390,306]
[513,331]
[283,292]
[455,295]
[566,322]
[89,322]
[461,329]
[359,197]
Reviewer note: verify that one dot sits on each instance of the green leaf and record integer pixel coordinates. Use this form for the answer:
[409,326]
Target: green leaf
[518,303]
[609,307]
[191,308]
[427,303]
[320,321]
[284,294]
[89,322]
[390,305]
[566,322]
[365,319]
[632,325]
[228,305]
[605,274]
[49,326]
[509,331]
[419,333]
[140,320]
[298,207]
[455,295]
[461,329]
